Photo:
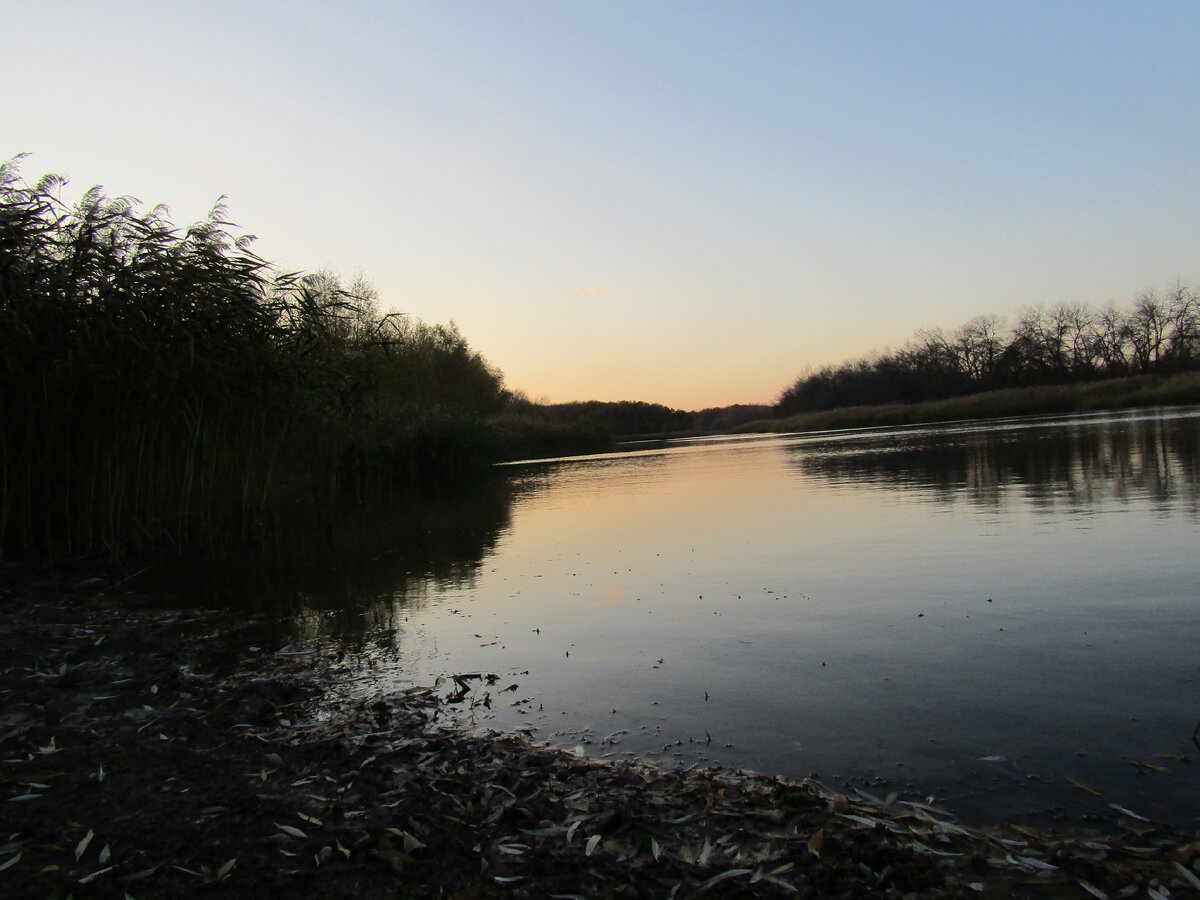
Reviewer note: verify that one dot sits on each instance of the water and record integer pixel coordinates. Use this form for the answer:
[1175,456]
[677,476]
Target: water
[975,612]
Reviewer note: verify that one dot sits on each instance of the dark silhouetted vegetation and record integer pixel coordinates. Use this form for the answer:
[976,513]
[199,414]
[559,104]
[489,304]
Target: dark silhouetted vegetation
[530,429]
[726,418]
[1111,393]
[161,386]
[1070,343]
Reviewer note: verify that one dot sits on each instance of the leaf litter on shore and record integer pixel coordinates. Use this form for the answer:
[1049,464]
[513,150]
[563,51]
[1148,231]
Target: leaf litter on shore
[396,800]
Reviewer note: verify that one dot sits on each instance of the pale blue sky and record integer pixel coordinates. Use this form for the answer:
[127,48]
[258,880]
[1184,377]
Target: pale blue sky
[750,188]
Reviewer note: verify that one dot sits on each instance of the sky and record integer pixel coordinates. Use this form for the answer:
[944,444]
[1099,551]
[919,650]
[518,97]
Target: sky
[681,203]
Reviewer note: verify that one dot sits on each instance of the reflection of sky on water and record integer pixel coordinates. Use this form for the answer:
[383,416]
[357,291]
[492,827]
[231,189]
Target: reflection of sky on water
[892,604]
[850,602]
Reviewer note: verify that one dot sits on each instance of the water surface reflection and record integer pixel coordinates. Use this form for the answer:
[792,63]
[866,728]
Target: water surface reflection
[978,612]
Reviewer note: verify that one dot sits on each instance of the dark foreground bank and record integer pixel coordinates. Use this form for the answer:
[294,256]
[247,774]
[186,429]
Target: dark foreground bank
[140,757]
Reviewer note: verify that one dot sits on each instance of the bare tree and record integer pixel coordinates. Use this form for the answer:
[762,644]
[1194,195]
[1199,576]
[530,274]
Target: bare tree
[1183,313]
[978,346]
[1112,340]
[1148,324]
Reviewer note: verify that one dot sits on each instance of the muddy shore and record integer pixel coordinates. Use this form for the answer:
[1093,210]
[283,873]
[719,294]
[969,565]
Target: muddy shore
[141,756]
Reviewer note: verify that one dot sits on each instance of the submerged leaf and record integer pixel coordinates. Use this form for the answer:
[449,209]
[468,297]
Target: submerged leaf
[1083,786]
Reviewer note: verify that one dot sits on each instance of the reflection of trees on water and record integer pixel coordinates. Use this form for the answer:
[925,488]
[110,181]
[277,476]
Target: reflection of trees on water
[356,579]
[1079,465]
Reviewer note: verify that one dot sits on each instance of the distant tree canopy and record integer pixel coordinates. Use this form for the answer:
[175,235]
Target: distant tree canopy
[1067,343]
[624,418]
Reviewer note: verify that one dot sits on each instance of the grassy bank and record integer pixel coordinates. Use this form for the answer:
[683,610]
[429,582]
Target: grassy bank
[1116,393]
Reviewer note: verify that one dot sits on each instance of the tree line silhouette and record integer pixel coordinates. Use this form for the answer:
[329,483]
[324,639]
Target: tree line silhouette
[1065,344]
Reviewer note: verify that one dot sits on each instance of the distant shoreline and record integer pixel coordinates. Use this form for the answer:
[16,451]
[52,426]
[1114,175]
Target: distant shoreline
[1116,393]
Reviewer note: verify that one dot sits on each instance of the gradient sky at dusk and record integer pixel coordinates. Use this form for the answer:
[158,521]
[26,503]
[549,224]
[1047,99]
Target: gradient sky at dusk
[684,203]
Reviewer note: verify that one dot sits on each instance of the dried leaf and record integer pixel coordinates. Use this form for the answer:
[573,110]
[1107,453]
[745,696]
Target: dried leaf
[86,879]
[1094,891]
[1032,863]
[1141,829]
[655,849]
[731,873]
[226,868]
[105,854]
[1084,786]
[83,844]
[1189,875]
[292,830]
[815,842]
[411,843]
[11,862]
[1128,812]
[591,844]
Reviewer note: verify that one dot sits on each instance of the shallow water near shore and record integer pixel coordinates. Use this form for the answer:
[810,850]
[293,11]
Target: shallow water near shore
[1002,615]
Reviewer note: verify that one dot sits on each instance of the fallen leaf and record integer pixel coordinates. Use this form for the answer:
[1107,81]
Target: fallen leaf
[1094,891]
[292,830]
[1189,875]
[815,842]
[83,844]
[1128,812]
[411,843]
[731,873]
[88,878]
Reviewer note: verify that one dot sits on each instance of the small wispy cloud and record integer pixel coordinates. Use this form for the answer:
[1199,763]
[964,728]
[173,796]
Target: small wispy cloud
[589,290]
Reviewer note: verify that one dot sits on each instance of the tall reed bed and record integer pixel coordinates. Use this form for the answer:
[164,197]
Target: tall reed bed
[161,386]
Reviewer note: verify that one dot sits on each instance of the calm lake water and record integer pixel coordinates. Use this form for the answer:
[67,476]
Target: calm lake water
[975,612]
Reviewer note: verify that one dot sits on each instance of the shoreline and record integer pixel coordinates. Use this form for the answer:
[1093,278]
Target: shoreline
[140,756]
[1132,392]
